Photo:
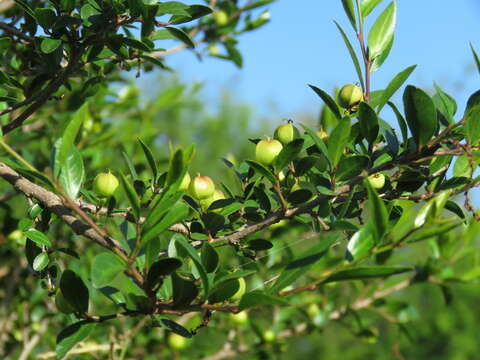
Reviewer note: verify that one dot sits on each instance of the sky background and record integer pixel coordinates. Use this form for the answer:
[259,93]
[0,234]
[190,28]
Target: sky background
[301,46]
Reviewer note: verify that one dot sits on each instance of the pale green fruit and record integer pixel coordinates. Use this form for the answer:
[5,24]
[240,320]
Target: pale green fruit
[105,184]
[185,183]
[350,95]
[241,290]
[286,133]
[177,342]
[313,310]
[269,336]
[220,17]
[217,195]
[377,180]
[201,187]
[240,318]
[267,151]
[213,50]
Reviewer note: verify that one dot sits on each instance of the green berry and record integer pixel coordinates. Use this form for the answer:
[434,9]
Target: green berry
[177,342]
[221,18]
[105,184]
[201,187]
[377,180]
[349,96]
[239,318]
[267,151]
[286,133]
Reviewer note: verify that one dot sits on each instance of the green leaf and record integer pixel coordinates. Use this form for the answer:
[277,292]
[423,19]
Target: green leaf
[176,169]
[353,55]
[178,212]
[209,257]
[72,335]
[105,268]
[181,35]
[176,328]
[366,272]
[289,153]
[380,59]
[150,158]
[49,45]
[257,4]
[159,210]
[193,11]
[38,237]
[351,166]
[40,262]
[302,264]
[381,33]
[262,170]
[446,105]
[360,244]
[402,124]
[72,173]
[23,4]
[432,231]
[160,268]
[332,105]
[192,253]
[350,11]
[184,291]
[132,196]
[368,122]
[367,7]
[338,140]
[472,125]
[378,213]
[86,12]
[394,85]
[74,291]
[420,113]
[259,298]
[475,56]
[318,142]
[45,17]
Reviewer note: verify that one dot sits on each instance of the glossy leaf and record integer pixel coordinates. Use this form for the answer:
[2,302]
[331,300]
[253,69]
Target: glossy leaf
[296,268]
[472,125]
[72,335]
[105,268]
[262,170]
[366,272]
[394,85]
[74,290]
[446,105]
[381,33]
[150,158]
[289,153]
[420,114]
[160,268]
[338,140]
[159,209]
[49,45]
[176,328]
[360,244]
[38,237]
[259,298]
[184,291]
[367,6]
[209,258]
[40,262]
[328,101]
[350,11]
[318,142]
[72,173]
[378,213]
[353,54]
[181,35]
[475,57]
[132,196]
[351,166]
[368,122]
[380,59]
[402,124]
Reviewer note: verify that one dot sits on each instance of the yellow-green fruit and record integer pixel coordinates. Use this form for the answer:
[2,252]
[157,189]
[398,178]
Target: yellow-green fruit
[269,336]
[220,17]
[177,342]
[377,180]
[185,183]
[286,133]
[201,187]
[350,95]
[217,195]
[278,225]
[240,318]
[16,235]
[322,134]
[62,304]
[267,151]
[213,50]
[241,290]
[105,184]
[313,310]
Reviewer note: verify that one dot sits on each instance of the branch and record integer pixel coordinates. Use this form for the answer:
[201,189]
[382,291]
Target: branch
[14,31]
[55,204]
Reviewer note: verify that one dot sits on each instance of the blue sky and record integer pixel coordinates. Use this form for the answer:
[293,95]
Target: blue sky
[301,45]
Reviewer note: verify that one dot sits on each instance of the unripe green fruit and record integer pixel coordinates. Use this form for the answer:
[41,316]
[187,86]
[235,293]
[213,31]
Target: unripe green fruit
[15,235]
[241,290]
[269,336]
[377,180]
[286,133]
[267,151]
[313,310]
[213,50]
[350,95]
[220,17]
[240,318]
[177,342]
[62,304]
[217,195]
[185,183]
[105,184]
[201,187]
